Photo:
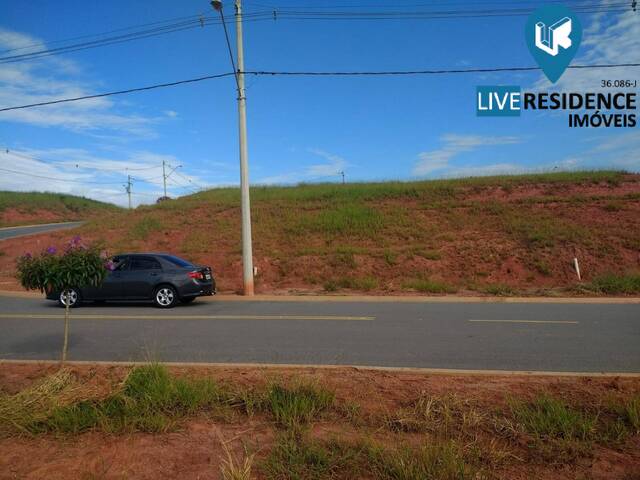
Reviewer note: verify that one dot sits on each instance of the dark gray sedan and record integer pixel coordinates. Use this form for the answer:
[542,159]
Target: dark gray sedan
[164,279]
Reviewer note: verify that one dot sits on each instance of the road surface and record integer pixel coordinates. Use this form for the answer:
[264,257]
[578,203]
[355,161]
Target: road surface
[12,232]
[493,336]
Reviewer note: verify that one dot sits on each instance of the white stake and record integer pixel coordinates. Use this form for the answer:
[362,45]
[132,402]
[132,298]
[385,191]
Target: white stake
[577,267]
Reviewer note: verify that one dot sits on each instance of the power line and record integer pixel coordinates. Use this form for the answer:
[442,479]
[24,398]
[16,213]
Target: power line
[312,74]
[131,27]
[58,178]
[76,164]
[282,13]
[121,92]
[161,30]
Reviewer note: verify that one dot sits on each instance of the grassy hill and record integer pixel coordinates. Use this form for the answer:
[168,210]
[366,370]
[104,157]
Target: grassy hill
[20,208]
[495,235]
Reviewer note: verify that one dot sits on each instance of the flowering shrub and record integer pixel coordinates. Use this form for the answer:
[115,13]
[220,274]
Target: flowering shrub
[79,265]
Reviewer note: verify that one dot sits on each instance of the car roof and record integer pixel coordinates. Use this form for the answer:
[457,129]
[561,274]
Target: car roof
[138,254]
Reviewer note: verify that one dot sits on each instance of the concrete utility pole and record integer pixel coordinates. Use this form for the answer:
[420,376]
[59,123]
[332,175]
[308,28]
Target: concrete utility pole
[164,178]
[127,187]
[167,175]
[247,250]
[342,173]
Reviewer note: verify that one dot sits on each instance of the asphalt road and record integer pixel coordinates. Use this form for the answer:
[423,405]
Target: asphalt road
[493,336]
[11,232]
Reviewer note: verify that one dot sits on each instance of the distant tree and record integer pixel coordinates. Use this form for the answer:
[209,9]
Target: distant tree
[77,266]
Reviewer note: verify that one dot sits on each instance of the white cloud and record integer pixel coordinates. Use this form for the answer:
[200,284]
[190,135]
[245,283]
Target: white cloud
[52,78]
[171,113]
[328,170]
[615,151]
[78,172]
[437,160]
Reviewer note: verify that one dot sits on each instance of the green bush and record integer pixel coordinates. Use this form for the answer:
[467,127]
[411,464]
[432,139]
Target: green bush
[616,284]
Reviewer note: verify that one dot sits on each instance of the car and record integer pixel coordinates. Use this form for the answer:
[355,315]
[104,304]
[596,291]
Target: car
[159,277]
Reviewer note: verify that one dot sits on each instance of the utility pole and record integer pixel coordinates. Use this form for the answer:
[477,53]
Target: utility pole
[127,187]
[247,251]
[164,179]
[167,175]
[342,173]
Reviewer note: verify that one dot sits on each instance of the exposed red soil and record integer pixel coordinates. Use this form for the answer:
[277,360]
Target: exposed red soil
[194,451]
[14,216]
[522,236]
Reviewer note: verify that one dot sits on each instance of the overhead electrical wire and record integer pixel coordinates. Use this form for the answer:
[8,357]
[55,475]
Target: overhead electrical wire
[153,32]
[131,27]
[293,13]
[58,178]
[311,74]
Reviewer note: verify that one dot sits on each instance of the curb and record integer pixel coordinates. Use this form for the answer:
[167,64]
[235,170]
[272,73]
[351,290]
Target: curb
[293,366]
[387,299]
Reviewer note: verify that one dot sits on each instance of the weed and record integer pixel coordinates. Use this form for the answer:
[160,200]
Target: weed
[301,458]
[348,220]
[144,227]
[443,415]
[150,401]
[628,412]
[391,258]
[331,286]
[295,406]
[616,284]
[343,259]
[427,285]
[499,289]
[542,267]
[559,432]
[232,468]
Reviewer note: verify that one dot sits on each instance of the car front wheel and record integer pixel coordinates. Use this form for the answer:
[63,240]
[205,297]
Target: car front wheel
[165,297]
[73,297]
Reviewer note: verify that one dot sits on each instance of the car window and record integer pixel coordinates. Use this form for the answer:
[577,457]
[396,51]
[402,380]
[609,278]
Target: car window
[120,263]
[144,263]
[177,261]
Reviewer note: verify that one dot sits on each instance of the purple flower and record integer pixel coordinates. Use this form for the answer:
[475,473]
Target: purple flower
[52,250]
[28,255]
[109,265]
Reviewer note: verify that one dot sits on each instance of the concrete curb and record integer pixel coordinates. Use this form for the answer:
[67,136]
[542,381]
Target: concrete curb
[292,366]
[385,299]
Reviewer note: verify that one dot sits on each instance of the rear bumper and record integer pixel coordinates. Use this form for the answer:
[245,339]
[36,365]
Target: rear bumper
[198,289]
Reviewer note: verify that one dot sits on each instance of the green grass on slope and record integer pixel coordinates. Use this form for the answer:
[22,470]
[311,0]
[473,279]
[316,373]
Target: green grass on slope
[65,207]
[427,190]
[30,201]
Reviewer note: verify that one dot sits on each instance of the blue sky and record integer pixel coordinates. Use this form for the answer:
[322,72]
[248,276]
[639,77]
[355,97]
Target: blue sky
[300,129]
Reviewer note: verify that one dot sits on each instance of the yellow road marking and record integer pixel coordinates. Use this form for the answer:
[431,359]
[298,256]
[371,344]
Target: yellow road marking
[527,321]
[185,317]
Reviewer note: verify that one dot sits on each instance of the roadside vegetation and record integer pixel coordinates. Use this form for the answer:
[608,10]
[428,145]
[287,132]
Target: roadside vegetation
[316,432]
[504,235]
[20,208]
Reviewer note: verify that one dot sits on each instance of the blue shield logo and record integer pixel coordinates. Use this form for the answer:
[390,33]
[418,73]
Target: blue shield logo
[553,35]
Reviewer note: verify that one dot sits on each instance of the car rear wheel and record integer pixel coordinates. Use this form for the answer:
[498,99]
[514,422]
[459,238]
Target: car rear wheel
[73,297]
[165,297]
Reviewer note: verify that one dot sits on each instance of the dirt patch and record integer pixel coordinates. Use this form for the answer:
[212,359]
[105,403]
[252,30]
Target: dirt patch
[472,240]
[194,450]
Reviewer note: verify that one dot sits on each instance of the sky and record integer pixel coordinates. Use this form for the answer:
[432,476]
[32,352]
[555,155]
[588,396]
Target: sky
[300,129]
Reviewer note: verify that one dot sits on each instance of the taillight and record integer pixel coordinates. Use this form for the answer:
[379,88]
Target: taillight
[196,275]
